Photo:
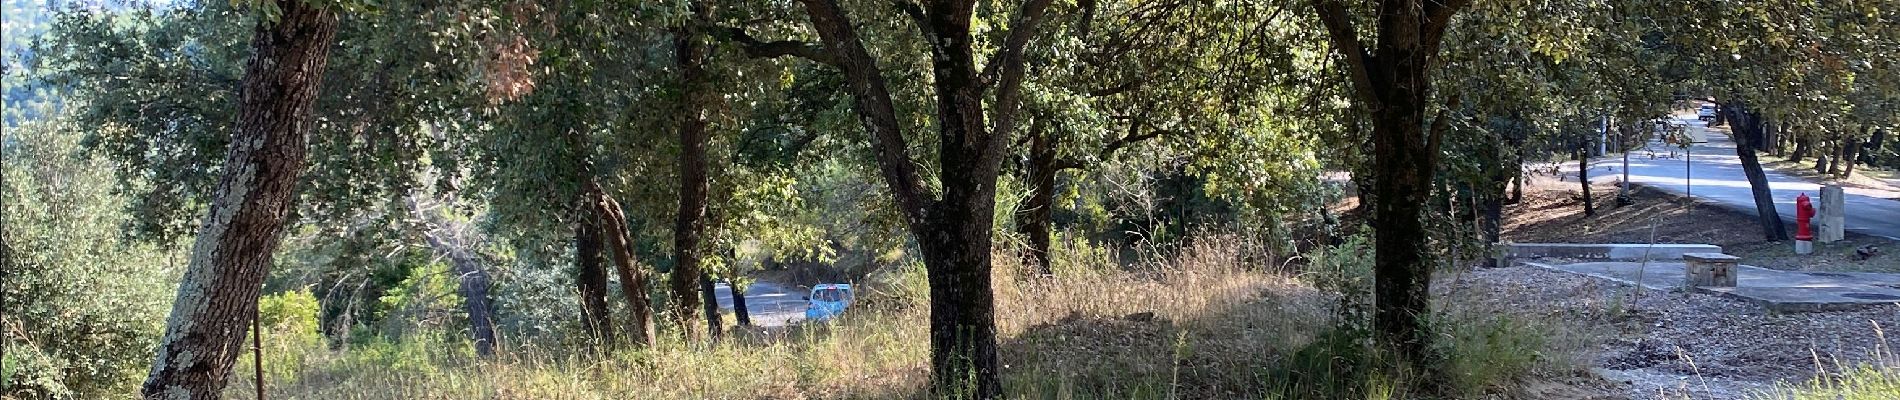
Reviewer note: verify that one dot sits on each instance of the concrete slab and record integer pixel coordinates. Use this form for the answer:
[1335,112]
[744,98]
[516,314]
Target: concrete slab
[1602,251]
[1776,290]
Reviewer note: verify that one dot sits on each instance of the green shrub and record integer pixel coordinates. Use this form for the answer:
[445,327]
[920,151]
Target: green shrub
[289,322]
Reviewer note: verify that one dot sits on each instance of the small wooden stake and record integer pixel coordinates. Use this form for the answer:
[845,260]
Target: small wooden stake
[257,350]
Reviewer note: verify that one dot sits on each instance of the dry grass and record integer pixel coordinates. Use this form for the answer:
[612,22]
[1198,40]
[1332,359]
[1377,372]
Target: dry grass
[1202,325]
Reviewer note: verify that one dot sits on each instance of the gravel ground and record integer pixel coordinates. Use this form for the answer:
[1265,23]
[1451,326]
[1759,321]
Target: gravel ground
[1675,345]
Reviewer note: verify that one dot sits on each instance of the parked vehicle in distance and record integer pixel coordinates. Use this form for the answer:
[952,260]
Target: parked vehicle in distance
[1706,113]
[828,300]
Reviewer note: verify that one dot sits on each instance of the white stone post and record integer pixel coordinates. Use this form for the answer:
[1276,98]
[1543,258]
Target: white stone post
[1831,215]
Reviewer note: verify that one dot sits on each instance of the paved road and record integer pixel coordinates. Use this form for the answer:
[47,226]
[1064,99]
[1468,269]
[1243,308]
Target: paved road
[768,303]
[1716,174]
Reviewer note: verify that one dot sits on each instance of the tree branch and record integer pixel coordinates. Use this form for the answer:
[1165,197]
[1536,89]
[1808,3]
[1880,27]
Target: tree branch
[1110,148]
[1010,82]
[874,107]
[1067,163]
[1438,20]
[756,48]
[1117,89]
[1345,40]
[1438,16]
[1021,29]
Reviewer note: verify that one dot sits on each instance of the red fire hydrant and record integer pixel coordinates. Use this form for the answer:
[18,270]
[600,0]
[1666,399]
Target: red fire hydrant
[1803,211]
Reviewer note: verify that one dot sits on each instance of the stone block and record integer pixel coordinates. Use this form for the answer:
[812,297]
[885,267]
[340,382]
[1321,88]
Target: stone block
[1710,269]
[1606,251]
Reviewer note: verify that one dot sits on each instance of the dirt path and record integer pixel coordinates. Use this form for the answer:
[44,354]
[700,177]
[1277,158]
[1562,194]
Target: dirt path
[1676,345]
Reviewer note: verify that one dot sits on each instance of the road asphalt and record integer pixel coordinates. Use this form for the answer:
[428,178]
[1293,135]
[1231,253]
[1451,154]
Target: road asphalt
[769,304]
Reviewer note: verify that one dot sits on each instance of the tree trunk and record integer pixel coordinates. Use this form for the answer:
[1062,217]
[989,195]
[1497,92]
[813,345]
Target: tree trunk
[591,280]
[1491,198]
[1873,149]
[633,279]
[710,302]
[1517,185]
[1493,209]
[1746,129]
[739,311]
[1393,83]
[1801,148]
[445,237]
[229,259]
[1033,220]
[1771,139]
[1840,152]
[1822,152]
[1403,266]
[690,220]
[1581,154]
[1850,158]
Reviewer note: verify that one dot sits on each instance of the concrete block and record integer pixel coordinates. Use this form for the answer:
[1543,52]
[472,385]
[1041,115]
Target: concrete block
[1606,251]
[1831,215]
[1710,269]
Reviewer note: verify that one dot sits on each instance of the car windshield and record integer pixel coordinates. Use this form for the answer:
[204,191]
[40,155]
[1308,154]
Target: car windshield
[828,295]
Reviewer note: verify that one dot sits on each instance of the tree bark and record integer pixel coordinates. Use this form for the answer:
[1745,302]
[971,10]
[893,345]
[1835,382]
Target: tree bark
[591,280]
[633,279]
[690,221]
[232,253]
[1746,128]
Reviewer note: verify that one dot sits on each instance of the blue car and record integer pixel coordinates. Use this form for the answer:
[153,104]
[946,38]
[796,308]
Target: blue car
[827,301]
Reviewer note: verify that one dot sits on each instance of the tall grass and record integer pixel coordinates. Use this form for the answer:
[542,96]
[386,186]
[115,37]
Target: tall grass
[1878,379]
[1200,324]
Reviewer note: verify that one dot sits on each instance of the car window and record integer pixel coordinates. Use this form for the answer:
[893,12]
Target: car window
[828,295]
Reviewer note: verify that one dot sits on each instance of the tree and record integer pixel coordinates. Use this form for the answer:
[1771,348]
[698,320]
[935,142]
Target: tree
[1747,128]
[1392,81]
[454,239]
[633,278]
[954,228]
[218,296]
